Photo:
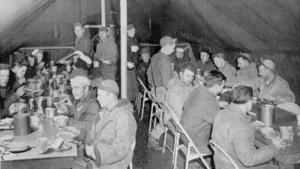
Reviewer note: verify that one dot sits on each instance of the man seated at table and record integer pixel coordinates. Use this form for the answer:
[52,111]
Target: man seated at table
[178,90]
[85,107]
[112,139]
[247,74]
[205,64]
[200,108]
[224,67]
[233,131]
[179,58]
[19,70]
[7,95]
[275,88]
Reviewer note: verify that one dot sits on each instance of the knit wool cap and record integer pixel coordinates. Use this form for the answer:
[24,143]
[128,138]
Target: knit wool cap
[108,85]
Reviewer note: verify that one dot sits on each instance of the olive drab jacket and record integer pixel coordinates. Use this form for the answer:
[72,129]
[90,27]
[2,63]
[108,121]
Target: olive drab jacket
[113,137]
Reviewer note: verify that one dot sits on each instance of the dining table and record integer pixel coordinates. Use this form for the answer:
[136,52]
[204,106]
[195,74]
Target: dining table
[289,157]
[33,158]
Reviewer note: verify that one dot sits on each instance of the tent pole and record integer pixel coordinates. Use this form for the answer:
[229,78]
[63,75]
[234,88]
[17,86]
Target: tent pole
[103,20]
[123,5]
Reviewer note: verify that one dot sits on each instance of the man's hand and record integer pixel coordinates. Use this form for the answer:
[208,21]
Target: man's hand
[89,150]
[107,62]
[130,65]
[279,143]
[21,91]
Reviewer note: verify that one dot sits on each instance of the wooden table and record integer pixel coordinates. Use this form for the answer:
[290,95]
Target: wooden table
[32,159]
[290,156]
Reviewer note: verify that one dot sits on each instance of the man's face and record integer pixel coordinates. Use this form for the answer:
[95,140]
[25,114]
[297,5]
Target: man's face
[19,71]
[4,76]
[102,35]
[79,91]
[242,63]
[204,57]
[39,57]
[187,76]
[146,57]
[263,71]
[179,54]
[78,31]
[131,32]
[103,98]
[216,89]
[31,61]
[170,48]
[219,62]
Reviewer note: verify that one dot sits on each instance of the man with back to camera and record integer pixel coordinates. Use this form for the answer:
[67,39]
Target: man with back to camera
[233,131]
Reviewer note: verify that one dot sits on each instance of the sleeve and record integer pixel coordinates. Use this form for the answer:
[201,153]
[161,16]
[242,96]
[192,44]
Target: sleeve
[114,53]
[149,76]
[87,47]
[284,93]
[165,71]
[118,150]
[248,154]
[10,100]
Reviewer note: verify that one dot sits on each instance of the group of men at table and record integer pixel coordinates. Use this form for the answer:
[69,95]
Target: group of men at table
[106,123]
[204,116]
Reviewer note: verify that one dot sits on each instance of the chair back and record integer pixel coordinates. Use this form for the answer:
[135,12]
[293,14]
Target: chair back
[216,146]
[185,135]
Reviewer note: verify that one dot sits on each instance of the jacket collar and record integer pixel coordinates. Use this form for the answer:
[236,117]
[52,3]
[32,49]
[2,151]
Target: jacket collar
[238,112]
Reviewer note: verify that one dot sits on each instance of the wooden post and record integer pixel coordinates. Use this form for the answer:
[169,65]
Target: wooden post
[103,15]
[123,5]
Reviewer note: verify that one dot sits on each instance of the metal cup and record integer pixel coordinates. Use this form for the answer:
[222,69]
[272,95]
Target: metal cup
[50,112]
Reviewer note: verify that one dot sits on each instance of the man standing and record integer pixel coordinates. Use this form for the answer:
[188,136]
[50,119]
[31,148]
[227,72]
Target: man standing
[247,74]
[160,70]
[111,141]
[83,42]
[107,55]
[233,131]
[132,59]
[224,67]
[200,108]
[85,107]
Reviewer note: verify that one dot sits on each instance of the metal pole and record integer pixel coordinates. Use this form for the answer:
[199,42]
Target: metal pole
[103,20]
[123,5]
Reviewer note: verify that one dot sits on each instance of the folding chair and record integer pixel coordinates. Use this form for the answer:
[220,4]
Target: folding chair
[215,147]
[156,113]
[144,98]
[188,148]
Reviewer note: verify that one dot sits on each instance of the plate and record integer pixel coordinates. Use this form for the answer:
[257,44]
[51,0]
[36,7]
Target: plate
[18,147]
[66,135]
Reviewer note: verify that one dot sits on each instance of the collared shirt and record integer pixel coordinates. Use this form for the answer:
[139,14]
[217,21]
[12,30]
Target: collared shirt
[160,70]
[206,67]
[277,89]
[230,73]
[199,110]
[232,130]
